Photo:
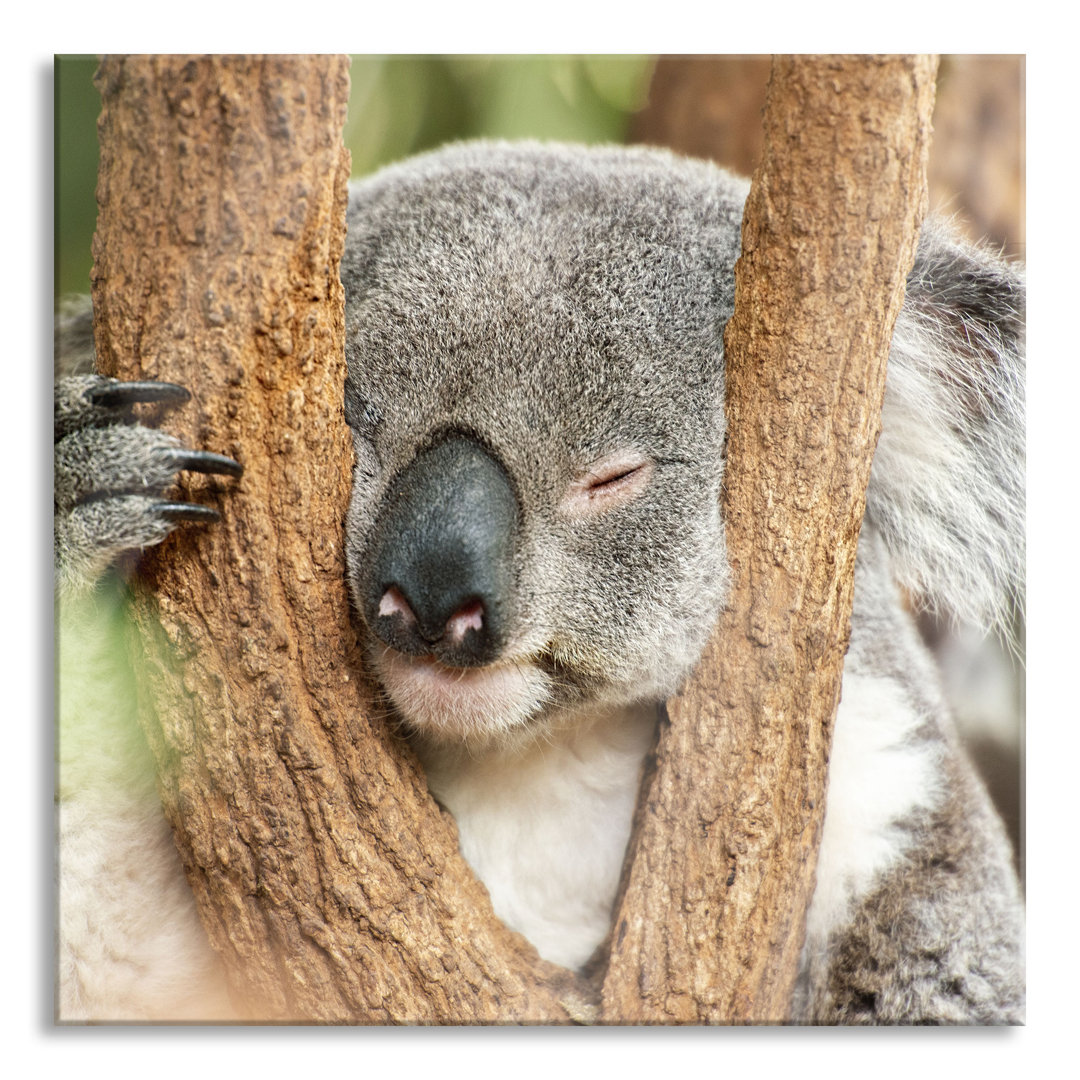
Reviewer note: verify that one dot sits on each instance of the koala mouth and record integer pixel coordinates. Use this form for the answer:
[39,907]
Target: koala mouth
[462,703]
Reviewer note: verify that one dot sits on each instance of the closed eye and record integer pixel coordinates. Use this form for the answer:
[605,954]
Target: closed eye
[612,481]
[609,481]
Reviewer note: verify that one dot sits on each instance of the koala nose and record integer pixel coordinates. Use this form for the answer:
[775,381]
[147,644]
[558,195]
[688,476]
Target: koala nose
[440,563]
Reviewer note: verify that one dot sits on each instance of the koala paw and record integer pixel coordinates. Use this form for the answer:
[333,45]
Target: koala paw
[111,475]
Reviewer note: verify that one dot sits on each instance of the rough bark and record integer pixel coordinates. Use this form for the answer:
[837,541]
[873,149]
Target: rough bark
[711,107]
[721,868]
[324,872]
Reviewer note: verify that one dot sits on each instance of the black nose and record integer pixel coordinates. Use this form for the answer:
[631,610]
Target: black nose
[440,563]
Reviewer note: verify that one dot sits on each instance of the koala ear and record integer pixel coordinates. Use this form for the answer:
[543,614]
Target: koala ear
[953,431]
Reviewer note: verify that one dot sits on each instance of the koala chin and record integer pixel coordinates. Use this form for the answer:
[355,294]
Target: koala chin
[468,705]
[535,551]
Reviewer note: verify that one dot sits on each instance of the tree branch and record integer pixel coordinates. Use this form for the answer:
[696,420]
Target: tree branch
[711,922]
[324,872]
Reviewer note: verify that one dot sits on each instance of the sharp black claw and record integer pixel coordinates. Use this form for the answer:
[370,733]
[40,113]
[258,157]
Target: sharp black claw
[180,511]
[117,394]
[204,462]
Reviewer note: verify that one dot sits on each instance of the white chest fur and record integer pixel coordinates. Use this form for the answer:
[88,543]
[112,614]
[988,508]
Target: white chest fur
[545,827]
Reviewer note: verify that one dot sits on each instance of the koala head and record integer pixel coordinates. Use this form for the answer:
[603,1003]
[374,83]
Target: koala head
[535,389]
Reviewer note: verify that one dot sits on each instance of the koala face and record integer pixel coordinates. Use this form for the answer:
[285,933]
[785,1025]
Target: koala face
[534,343]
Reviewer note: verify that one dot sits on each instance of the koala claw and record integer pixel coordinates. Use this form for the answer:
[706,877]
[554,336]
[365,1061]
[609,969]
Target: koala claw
[202,461]
[113,395]
[112,475]
[181,511]
[94,401]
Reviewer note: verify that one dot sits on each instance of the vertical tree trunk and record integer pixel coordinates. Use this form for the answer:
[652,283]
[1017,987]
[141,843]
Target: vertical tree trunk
[323,870]
[977,168]
[712,919]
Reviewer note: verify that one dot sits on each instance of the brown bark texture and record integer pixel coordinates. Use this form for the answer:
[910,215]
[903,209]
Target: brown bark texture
[325,874]
[710,106]
[721,867]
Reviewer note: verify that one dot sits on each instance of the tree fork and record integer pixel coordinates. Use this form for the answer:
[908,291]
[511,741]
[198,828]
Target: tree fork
[325,874]
[721,867]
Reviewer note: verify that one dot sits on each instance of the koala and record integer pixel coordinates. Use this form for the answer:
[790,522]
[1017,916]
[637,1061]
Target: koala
[535,549]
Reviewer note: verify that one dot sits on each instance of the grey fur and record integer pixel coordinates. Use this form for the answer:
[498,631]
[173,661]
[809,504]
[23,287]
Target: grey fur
[557,304]
[939,937]
[73,337]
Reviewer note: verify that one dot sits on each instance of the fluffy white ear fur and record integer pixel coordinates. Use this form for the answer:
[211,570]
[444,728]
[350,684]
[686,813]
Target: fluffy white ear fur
[948,487]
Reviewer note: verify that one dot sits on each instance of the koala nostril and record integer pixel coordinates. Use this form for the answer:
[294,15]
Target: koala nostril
[401,628]
[470,616]
[393,602]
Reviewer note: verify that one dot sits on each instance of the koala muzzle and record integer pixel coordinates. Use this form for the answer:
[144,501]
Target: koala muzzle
[440,563]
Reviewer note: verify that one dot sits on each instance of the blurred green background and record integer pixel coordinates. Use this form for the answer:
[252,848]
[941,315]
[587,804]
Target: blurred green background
[399,105]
